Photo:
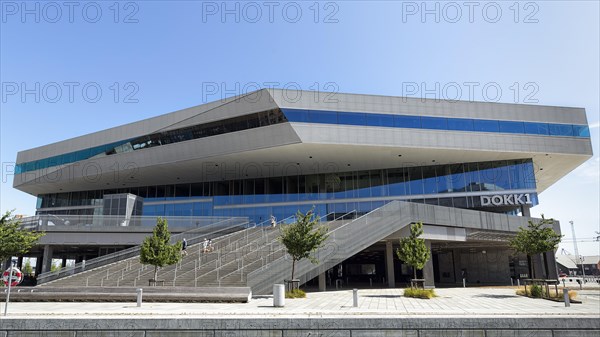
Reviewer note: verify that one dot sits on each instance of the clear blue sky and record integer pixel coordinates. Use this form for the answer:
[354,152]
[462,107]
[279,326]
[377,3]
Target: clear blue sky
[170,50]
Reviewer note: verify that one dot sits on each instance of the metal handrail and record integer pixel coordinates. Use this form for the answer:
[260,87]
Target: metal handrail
[124,254]
[148,270]
[181,265]
[267,237]
[277,266]
[283,248]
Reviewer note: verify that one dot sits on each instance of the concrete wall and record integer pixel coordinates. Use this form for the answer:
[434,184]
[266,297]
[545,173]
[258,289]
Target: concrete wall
[284,327]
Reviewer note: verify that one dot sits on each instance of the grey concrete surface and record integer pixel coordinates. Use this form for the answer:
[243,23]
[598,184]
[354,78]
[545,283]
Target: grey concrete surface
[473,312]
[451,302]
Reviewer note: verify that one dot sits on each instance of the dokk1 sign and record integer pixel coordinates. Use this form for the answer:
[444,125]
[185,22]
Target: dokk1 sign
[506,199]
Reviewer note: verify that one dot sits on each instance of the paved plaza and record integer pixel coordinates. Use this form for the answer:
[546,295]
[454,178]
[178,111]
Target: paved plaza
[464,302]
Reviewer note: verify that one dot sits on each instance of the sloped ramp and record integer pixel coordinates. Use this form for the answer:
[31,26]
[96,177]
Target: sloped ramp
[359,234]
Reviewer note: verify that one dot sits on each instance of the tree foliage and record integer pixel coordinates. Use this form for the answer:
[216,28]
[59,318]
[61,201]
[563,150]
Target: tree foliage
[413,250]
[303,237]
[15,241]
[157,249]
[27,269]
[536,239]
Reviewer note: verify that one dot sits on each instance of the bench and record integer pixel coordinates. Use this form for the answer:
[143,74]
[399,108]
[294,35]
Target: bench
[153,283]
[545,284]
[417,283]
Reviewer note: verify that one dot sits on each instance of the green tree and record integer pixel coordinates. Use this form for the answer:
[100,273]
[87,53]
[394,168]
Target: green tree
[157,249]
[15,241]
[413,250]
[27,269]
[536,239]
[56,266]
[303,237]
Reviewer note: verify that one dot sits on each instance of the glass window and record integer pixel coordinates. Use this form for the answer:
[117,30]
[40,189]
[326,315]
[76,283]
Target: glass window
[380,120]
[377,187]
[296,115]
[160,191]
[443,179]
[536,128]
[560,129]
[485,125]
[429,180]
[352,118]
[326,117]
[436,123]
[472,178]
[460,124]
[581,131]
[457,178]
[182,190]
[401,121]
[415,180]
[396,181]
[502,181]
[511,127]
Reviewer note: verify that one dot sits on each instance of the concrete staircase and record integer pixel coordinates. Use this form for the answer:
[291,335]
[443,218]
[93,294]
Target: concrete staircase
[253,257]
[195,269]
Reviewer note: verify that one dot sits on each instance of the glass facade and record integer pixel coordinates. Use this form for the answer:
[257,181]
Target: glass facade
[455,185]
[435,123]
[240,123]
[276,116]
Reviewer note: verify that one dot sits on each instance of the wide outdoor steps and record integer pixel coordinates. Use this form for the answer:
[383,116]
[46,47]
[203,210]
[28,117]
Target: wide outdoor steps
[233,257]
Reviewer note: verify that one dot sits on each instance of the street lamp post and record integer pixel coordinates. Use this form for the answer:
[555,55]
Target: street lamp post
[577,256]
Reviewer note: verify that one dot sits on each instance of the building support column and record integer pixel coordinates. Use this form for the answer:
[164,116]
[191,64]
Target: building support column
[38,265]
[322,278]
[525,210]
[389,264]
[428,269]
[47,259]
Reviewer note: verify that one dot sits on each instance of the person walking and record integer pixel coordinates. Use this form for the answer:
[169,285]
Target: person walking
[273,221]
[184,247]
[205,245]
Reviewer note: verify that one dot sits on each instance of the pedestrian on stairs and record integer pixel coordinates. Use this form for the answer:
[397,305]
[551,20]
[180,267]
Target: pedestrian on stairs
[184,247]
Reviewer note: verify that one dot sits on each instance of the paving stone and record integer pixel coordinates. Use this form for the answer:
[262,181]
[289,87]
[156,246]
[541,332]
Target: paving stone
[179,333]
[385,333]
[248,333]
[41,334]
[451,333]
[518,333]
[576,333]
[316,333]
[110,333]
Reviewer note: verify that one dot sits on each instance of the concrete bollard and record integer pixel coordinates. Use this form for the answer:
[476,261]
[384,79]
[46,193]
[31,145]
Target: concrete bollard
[278,295]
[512,283]
[566,297]
[139,292]
[464,283]
[355,298]
[518,282]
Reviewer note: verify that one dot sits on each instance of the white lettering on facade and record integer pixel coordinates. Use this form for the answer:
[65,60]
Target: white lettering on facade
[505,199]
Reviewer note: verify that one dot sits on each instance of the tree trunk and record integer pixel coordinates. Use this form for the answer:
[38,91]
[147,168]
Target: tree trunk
[293,267]
[546,271]
[531,266]
[414,273]
[155,274]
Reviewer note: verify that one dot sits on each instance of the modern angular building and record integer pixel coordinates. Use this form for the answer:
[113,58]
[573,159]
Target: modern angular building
[274,152]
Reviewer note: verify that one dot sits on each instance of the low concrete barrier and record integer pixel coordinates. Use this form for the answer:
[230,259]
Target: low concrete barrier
[128,294]
[283,327]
